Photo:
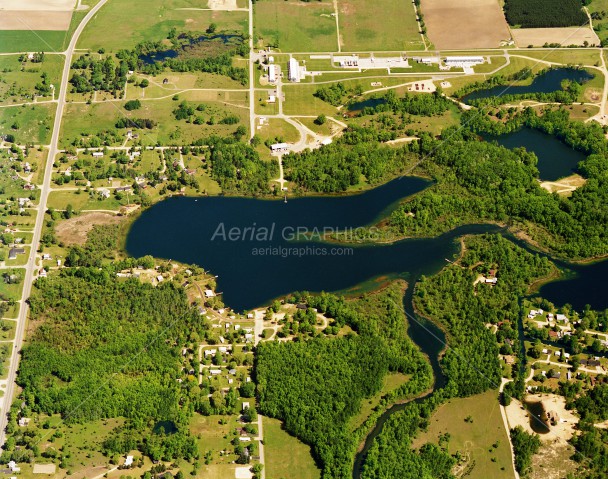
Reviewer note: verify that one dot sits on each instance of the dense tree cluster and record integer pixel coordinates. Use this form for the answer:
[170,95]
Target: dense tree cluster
[477,180]
[98,75]
[525,445]
[336,93]
[448,298]
[238,168]
[84,359]
[355,157]
[316,386]
[545,13]
[414,104]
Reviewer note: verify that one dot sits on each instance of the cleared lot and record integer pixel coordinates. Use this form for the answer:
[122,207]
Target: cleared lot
[36,14]
[453,24]
[564,36]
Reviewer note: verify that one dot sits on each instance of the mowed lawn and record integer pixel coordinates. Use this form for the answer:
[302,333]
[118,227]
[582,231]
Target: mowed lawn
[25,76]
[28,123]
[285,456]
[295,26]
[378,25]
[135,21]
[475,437]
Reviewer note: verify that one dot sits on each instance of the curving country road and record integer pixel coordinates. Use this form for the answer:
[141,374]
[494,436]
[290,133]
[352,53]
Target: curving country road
[44,193]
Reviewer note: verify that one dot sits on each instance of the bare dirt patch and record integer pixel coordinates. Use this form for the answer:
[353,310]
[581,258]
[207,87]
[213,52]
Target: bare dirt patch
[453,24]
[222,5]
[565,186]
[38,5]
[564,36]
[28,20]
[75,230]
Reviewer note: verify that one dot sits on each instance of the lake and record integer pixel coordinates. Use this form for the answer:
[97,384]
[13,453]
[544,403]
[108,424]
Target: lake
[546,83]
[555,158]
[252,245]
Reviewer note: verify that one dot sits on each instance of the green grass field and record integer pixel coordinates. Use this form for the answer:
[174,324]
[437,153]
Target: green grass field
[12,41]
[10,291]
[135,21]
[566,56]
[378,25]
[83,120]
[17,80]
[59,199]
[285,456]
[28,123]
[474,438]
[294,26]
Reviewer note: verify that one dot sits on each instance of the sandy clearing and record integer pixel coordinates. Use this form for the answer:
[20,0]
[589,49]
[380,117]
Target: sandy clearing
[565,185]
[453,24]
[518,416]
[28,20]
[75,230]
[44,468]
[564,36]
[222,5]
[38,5]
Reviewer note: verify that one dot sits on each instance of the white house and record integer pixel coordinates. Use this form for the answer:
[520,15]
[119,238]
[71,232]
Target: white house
[209,293]
[97,154]
[278,147]
[129,461]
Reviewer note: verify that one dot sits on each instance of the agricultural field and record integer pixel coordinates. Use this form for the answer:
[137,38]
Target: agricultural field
[564,36]
[295,26]
[476,430]
[84,121]
[28,123]
[12,41]
[380,25]
[453,25]
[18,79]
[136,21]
[285,455]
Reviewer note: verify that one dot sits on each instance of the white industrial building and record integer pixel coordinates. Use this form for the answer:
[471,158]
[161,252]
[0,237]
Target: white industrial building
[463,62]
[272,73]
[296,72]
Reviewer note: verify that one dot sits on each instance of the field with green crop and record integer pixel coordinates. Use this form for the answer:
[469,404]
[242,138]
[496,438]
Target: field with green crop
[379,25]
[295,26]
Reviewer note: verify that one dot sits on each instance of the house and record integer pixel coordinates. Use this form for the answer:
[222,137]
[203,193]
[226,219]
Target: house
[272,99]
[42,273]
[509,359]
[159,278]
[46,256]
[27,167]
[98,154]
[553,334]
[105,193]
[279,147]
[209,293]
[555,374]
[128,461]
[13,252]
[244,406]
[562,318]
[12,465]
[249,316]
[249,337]
[210,352]
[301,306]
[491,280]
[222,349]
[215,372]
[232,371]
[558,353]
[24,421]
[29,187]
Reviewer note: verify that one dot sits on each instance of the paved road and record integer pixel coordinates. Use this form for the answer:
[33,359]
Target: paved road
[45,188]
